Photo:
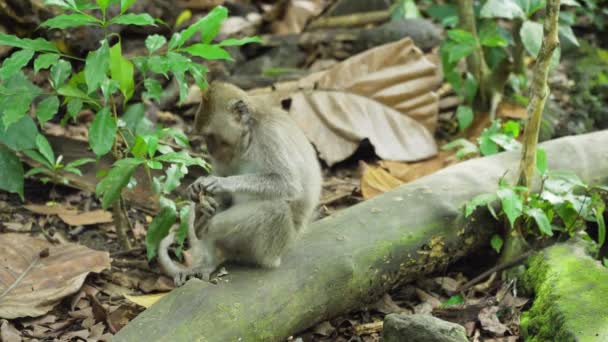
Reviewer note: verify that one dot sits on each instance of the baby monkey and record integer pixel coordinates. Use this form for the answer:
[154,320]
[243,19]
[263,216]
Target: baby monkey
[265,185]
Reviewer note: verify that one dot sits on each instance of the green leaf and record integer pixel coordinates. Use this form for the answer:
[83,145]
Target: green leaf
[154,90]
[141,19]
[178,135]
[541,220]
[47,109]
[532,36]
[18,93]
[71,91]
[102,132]
[64,21]
[477,201]
[139,147]
[181,158]
[511,128]
[530,6]
[506,142]
[573,3]
[15,63]
[464,114]
[512,204]
[183,86]
[12,172]
[110,188]
[35,155]
[541,161]
[601,226]
[38,44]
[446,14]
[465,148]
[38,170]
[240,42]
[155,42]
[158,229]
[469,88]
[454,300]
[462,37]
[45,61]
[96,67]
[507,9]
[180,235]
[569,177]
[79,162]
[74,107]
[208,51]
[459,52]
[121,70]
[154,164]
[566,34]
[60,73]
[103,5]
[174,176]
[45,148]
[152,143]
[496,243]
[58,3]
[21,135]
[125,5]
[210,25]
[491,37]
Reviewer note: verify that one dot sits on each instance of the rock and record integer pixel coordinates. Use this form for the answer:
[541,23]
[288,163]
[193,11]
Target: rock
[421,328]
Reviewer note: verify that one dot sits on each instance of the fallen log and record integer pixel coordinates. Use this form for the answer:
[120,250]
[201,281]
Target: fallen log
[352,257]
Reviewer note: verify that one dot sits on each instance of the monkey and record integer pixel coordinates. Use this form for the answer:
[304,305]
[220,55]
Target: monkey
[264,188]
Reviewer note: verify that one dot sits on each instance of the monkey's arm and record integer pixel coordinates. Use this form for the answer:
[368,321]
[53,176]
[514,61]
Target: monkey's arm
[264,184]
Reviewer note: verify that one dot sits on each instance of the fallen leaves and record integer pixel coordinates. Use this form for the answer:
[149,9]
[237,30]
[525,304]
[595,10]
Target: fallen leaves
[146,300]
[36,275]
[385,94]
[71,216]
[389,174]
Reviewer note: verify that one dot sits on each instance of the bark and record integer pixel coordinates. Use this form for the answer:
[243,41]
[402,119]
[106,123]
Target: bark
[476,62]
[515,243]
[355,255]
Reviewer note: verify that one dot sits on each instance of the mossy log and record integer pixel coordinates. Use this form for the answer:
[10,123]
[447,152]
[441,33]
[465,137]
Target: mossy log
[350,258]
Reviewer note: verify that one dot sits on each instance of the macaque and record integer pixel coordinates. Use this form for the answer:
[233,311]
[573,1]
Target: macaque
[265,185]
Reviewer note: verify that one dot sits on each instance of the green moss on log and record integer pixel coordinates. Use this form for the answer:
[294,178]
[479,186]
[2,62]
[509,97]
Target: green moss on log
[570,291]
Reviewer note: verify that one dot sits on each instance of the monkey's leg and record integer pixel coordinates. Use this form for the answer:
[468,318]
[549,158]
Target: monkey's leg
[255,232]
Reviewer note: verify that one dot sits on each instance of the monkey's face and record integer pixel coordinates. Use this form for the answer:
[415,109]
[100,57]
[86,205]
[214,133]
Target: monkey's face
[226,133]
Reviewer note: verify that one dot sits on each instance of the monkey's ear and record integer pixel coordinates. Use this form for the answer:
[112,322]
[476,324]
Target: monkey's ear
[242,110]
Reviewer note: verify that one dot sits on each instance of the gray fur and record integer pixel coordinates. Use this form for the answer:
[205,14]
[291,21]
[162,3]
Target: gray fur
[269,172]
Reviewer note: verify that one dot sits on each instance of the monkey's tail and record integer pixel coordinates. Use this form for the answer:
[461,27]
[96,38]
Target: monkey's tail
[170,268]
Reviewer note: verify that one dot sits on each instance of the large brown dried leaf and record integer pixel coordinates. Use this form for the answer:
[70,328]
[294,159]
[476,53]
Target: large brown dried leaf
[31,283]
[384,94]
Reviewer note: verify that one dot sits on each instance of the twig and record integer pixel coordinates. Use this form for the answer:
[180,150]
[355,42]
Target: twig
[496,268]
[358,19]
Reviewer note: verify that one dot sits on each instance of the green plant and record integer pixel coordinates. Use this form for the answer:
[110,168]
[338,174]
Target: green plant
[564,204]
[108,83]
[486,44]
[50,167]
[496,138]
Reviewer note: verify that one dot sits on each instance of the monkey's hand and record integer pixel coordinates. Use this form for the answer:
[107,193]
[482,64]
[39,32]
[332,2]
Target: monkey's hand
[207,206]
[208,185]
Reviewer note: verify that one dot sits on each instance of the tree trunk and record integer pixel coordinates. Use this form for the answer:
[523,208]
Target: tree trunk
[354,256]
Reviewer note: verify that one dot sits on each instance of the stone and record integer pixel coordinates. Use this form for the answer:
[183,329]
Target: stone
[421,328]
